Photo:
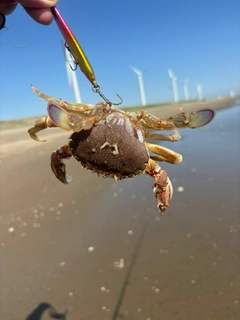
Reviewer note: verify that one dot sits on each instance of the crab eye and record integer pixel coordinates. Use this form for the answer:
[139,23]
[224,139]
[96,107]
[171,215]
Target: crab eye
[201,118]
[59,116]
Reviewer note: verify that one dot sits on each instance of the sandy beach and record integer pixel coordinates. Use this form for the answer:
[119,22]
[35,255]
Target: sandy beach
[99,250]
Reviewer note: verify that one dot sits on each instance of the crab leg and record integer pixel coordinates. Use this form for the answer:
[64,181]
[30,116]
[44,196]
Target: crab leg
[45,96]
[74,108]
[40,125]
[157,136]
[153,122]
[78,108]
[195,119]
[162,187]
[57,164]
[165,154]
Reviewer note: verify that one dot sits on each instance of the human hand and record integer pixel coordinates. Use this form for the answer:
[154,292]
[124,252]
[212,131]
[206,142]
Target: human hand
[39,10]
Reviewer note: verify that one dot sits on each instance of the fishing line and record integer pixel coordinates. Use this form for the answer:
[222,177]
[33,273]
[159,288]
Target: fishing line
[8,28]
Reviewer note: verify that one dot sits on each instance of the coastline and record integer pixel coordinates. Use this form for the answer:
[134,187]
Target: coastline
[165,110]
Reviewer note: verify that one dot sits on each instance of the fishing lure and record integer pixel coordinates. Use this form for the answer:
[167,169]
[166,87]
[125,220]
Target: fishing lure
[79,57]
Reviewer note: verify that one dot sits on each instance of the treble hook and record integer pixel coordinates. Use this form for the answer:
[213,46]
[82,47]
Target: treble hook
[73,60]
[96,88]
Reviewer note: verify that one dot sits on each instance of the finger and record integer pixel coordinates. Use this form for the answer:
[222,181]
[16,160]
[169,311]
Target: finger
[38,3]
[7,7]
[43,16]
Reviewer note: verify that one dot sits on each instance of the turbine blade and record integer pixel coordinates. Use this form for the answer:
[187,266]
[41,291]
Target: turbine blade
[137,71]
[170,73]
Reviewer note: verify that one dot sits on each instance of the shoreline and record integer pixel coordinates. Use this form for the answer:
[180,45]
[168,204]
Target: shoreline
[165,109]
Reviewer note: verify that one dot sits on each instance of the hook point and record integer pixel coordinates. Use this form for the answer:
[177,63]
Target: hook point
[96,89]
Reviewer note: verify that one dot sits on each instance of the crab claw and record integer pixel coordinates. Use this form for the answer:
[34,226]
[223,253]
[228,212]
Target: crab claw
[57,164]
[162,187]
[201,118]
[163,191]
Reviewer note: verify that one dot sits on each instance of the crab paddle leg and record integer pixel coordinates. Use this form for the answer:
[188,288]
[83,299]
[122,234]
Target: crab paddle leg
[194,120]
[201,118]
[162,186]
[57,164]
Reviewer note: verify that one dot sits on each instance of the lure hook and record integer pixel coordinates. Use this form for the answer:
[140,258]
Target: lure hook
[96,88]
[73,60]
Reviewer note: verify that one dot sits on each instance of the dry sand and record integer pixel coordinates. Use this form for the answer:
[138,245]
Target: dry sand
[100,250]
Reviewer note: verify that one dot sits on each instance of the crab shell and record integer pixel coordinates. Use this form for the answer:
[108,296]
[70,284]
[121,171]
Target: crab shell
[114,148]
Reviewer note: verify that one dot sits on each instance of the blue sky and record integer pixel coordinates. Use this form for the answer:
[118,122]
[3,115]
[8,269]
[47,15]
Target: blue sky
[199,40]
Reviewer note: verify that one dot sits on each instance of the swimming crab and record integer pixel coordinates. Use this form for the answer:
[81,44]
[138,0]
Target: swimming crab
[113,143]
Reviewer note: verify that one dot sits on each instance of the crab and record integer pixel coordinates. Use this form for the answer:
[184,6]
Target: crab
[113,143]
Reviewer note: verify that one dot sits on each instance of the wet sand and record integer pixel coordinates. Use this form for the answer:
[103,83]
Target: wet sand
[100,250]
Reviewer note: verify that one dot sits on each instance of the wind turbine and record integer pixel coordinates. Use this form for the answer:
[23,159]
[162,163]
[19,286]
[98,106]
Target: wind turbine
[186,91]
[140,83]
[174,85]
[71,74]
[199,90]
